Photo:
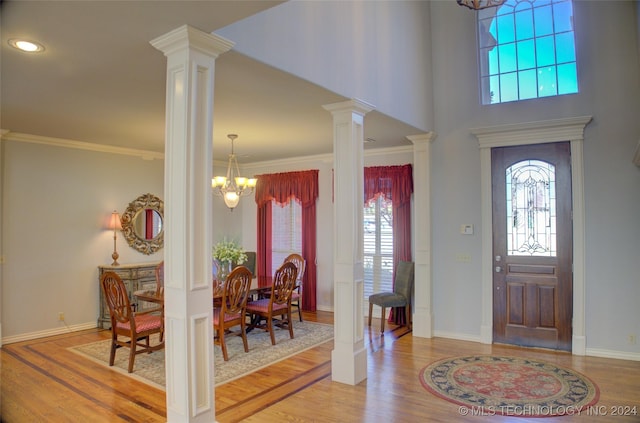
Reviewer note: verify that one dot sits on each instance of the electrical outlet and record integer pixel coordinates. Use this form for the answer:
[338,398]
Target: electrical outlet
[463,258]
[61,317]
[632,339]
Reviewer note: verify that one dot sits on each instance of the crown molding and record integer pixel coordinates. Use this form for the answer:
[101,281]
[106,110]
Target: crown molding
[7,135]
[322,158]
[79,145]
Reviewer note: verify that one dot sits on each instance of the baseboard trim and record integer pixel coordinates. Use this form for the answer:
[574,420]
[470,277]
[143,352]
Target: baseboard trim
[457,336]
[48,332]
[593,352]
[620,355]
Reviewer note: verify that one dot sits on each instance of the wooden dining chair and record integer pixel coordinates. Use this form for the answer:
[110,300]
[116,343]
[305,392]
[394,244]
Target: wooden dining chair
[159,272]
[278,302]
[296,296]
[128,328]
[232,308]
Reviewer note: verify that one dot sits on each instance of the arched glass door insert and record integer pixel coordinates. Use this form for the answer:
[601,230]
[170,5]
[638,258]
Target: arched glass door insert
[531,209]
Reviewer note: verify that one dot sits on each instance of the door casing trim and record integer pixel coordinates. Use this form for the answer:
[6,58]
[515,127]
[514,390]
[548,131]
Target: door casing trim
[540,132]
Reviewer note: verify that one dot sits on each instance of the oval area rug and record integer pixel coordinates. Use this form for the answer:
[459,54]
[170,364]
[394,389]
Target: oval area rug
[511,386]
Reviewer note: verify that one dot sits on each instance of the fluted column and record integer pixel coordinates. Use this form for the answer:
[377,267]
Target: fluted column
[349,357]
[191,56]
[423,291]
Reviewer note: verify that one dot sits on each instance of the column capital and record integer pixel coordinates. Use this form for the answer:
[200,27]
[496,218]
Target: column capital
[189,37]
[422,138]
[353,105]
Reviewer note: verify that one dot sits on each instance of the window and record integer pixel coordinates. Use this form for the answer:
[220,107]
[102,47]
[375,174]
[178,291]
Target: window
[378,246]
[286,230]
[531,209]
[527,50]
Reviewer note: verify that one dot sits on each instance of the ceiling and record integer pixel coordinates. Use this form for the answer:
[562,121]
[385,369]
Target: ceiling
[99,80]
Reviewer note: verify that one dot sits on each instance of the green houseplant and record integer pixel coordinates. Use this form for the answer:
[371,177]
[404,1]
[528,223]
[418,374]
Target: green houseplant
[227,254]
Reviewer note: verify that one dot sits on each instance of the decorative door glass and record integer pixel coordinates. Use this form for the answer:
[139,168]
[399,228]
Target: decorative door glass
[531,209]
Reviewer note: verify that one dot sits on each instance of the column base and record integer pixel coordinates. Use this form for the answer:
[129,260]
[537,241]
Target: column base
[348,366]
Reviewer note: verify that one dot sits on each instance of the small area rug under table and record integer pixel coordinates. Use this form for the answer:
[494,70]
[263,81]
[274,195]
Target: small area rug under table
[512,386]
[149,368]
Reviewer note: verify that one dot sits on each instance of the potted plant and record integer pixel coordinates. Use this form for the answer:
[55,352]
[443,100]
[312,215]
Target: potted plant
[227,255]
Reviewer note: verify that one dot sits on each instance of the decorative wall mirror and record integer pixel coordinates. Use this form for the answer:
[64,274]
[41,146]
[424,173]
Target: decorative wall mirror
[143,224]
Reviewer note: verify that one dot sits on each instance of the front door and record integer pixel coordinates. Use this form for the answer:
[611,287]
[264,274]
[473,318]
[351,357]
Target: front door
[532,245]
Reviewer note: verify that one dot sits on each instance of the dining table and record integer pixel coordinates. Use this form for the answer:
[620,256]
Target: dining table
[153,296]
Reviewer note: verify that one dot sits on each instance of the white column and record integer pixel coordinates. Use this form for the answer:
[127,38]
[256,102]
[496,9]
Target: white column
[422,307]
[191,56]
[349,357]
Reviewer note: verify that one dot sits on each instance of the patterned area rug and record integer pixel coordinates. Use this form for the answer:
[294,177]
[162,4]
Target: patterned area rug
[513,386]
[149,368]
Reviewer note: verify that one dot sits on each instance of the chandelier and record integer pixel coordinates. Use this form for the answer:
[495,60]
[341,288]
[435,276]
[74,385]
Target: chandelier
[233,186]
[480,4]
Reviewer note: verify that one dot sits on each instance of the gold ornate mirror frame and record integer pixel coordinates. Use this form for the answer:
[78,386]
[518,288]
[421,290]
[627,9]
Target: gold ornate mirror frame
[130,219]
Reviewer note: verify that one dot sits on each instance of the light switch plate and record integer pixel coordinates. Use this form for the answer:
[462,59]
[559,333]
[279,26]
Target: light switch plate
[466,229]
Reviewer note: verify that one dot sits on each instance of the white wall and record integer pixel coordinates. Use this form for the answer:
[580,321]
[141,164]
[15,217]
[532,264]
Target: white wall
[376,51]
[57,202]
[609,91]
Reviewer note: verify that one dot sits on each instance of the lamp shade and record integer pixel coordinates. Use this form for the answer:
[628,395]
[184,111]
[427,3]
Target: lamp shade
[115,222]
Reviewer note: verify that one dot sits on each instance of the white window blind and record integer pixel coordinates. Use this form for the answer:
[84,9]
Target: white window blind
[378,247]
[286,231]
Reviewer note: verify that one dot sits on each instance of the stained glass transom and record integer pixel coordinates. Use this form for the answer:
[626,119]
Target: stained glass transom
[531,209]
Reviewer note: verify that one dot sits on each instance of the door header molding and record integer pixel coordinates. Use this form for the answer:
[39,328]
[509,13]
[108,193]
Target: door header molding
[554,130]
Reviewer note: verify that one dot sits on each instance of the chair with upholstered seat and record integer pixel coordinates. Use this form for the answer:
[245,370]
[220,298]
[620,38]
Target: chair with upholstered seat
[278,302]
[159,272]
[231,310]
[135,328]
[250,262]
[400,297]
[296,295]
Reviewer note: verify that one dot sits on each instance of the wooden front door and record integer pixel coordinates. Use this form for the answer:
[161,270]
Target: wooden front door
[532,245]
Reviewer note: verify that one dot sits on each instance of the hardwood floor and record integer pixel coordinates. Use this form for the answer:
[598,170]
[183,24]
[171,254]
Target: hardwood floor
[41,381]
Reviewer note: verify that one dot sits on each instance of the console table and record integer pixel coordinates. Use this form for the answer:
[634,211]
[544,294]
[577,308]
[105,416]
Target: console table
[136,277]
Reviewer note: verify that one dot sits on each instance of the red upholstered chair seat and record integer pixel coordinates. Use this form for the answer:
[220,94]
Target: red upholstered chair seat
[227,317]
[262,306]
[145,322]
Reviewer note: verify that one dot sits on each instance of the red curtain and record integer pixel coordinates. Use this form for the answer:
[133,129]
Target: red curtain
[263,253]
[148,218]
[396,184]
[281,187]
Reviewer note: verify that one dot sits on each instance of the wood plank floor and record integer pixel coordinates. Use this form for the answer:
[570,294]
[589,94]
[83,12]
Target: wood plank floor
[41,381]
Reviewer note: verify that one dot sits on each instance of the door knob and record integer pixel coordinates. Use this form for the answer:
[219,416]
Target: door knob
[498,269]
[498,258]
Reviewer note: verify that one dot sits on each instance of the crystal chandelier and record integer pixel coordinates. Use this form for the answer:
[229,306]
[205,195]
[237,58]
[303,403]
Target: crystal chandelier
[233,186]
[480,4]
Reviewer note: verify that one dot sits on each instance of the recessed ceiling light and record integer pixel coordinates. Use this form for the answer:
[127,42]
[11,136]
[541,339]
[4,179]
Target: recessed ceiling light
[24,45]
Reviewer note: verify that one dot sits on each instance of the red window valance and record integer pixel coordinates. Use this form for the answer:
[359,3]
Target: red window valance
[280,187]
[394,182]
